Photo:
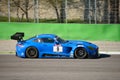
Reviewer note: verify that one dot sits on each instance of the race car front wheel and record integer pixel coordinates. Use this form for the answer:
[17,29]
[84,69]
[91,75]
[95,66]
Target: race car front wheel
[31,52]
[80,53]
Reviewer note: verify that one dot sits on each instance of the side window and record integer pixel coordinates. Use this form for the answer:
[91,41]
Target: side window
[47,40]
[38,40]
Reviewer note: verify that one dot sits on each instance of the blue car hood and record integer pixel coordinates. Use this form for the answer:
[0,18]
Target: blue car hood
[77,42]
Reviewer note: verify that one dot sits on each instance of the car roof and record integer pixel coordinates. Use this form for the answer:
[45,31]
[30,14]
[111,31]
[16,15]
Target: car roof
[42,36]
[46,35]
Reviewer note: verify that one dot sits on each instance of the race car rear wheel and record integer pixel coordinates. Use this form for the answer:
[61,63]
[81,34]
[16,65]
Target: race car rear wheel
[80,53]
[31,52]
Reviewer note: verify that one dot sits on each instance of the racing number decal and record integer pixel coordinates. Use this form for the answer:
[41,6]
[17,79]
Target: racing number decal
[57,48]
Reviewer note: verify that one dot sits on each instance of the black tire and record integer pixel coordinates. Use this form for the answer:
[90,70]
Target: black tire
[31,52]
[80,53]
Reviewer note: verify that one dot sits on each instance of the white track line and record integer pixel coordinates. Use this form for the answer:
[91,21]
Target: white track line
[109,52]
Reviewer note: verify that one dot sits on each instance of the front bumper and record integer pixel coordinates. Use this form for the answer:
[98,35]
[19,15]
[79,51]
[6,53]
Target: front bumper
[94,53]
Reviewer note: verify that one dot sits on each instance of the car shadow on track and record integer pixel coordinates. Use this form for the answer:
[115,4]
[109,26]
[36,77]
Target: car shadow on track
[103,55]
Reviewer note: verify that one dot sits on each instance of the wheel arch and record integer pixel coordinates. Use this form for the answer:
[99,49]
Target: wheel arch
[80,48]
[35,48]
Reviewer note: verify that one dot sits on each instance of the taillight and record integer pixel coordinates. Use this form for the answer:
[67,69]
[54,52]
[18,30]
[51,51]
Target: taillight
[20,45]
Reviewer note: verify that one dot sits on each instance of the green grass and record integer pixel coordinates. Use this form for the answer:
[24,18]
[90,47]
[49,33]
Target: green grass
[5,19]
[104,32]
[12,19]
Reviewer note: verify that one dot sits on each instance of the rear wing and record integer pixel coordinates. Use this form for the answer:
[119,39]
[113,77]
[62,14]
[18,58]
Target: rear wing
[18,36]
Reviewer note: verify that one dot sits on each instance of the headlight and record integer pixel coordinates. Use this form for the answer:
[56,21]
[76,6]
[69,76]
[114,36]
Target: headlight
[90,47]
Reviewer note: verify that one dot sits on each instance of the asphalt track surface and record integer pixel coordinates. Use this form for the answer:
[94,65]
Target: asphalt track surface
[105,68]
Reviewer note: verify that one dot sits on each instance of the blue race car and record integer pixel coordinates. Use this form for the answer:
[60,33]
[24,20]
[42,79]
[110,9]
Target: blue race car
[52,46]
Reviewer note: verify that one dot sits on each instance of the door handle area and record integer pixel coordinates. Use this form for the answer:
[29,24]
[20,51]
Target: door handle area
[45,45]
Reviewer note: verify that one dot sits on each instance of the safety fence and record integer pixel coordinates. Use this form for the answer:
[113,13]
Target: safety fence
[61,11]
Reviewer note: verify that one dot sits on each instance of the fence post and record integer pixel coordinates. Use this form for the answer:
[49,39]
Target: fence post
[36,18]
[66,10]
[95,15]
[89,11]
[9,11]
[37,6]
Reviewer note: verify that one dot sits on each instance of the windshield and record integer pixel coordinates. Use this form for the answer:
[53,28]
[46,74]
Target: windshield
[60,40]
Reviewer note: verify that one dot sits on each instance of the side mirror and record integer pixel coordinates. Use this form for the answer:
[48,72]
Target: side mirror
[57,43]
